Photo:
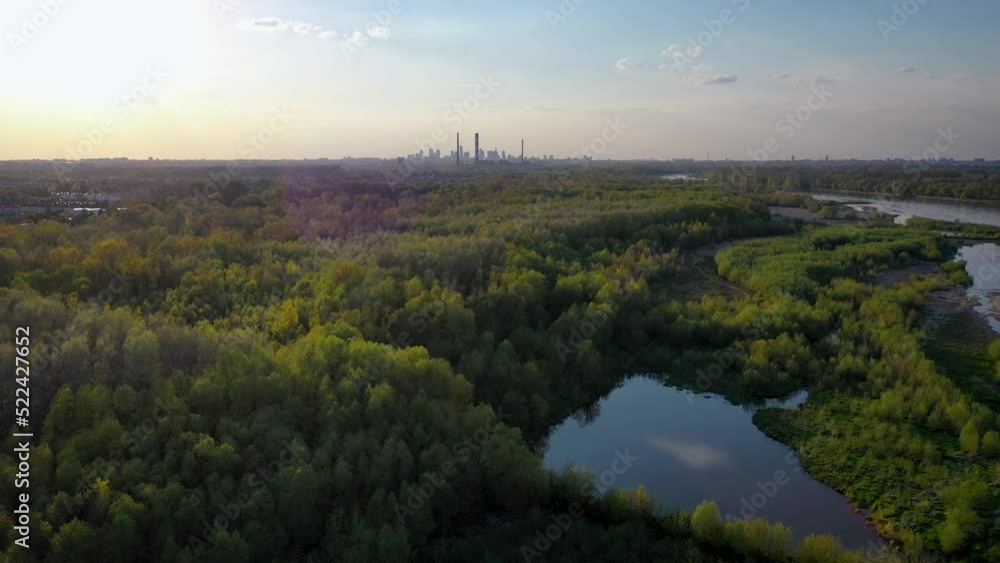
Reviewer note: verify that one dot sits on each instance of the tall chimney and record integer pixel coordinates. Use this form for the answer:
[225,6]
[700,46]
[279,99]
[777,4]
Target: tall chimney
[458,149]
[522,150]
[477,147]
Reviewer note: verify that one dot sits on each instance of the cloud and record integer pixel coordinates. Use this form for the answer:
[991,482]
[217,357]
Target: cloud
[623,64]
[692,454]
[358,39]
[379,32]
[782,76]
[268,24]
[719,79]
[904,70]
[671,50]
[304,28]
[690,71]
[820,79]
[675,50]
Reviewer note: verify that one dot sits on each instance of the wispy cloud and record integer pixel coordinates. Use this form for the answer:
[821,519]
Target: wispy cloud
[379,32]
[903,70]
[304,28]
[822,79]
[268,24]
[357,38]
[685,63]
[623,64]
[719,79]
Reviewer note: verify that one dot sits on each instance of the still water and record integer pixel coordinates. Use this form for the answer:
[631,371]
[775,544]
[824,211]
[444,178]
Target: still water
[686,448]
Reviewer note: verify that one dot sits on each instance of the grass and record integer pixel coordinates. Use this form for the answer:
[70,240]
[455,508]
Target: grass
[959,350]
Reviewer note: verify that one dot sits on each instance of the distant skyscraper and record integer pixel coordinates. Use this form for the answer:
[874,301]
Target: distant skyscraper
[458,149]
[477,147]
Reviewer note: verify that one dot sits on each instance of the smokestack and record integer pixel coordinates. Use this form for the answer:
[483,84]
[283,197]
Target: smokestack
[522,150]
[477,148]
[458,149]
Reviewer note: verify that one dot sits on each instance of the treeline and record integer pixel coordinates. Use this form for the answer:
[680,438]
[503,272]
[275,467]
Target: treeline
[896,178]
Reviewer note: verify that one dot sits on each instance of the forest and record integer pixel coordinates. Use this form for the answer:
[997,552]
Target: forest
[305,369]
[901,178]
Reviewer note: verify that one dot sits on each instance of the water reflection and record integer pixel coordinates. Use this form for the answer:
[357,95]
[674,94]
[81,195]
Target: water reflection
[691,447]
[695,455]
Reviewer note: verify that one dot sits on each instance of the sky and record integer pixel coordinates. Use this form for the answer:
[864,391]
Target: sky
[622,79]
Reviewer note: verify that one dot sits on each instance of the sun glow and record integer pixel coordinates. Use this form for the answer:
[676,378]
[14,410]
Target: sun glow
[93,52]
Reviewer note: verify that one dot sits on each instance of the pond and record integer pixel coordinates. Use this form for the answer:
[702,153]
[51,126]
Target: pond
[686,448]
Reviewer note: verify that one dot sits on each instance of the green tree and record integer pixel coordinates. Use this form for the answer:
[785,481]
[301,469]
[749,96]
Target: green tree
[706,522]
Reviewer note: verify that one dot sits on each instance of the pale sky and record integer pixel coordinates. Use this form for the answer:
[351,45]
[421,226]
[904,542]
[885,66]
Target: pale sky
[197,78]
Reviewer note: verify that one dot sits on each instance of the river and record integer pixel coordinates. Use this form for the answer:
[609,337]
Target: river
[982,259]
[982,213]
[686,448]
[983,264]
[685,177]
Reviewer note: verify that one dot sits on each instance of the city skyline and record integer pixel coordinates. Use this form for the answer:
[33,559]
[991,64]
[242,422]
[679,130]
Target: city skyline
[192,79]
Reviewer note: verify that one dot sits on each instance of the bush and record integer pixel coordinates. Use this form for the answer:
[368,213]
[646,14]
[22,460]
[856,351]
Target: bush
[706,522]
